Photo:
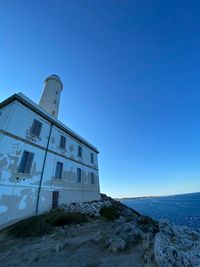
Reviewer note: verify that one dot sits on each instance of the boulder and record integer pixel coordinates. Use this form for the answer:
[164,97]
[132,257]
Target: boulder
[117,244]
[128,232]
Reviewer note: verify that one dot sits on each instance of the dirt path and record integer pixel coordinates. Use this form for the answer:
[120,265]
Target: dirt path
[81,245]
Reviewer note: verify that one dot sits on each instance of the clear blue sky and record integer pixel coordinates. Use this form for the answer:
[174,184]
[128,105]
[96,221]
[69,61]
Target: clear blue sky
[131,75]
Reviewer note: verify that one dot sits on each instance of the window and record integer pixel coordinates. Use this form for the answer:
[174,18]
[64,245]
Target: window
[78,175]
[62,142]
[26,162]
[53,113]
[80,152]
[36,128]
[92,178]
[92,157]
[54,102]
[59,168]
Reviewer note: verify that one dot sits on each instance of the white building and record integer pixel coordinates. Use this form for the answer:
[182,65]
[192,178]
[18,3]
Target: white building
[42,162]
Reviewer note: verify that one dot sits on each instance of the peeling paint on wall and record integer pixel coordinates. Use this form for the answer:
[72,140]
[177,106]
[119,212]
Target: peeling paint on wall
[19,191]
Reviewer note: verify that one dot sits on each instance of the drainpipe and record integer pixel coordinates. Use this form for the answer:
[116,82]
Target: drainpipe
[43,166]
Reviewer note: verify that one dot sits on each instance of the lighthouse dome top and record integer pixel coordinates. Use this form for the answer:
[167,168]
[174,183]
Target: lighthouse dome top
[54,77]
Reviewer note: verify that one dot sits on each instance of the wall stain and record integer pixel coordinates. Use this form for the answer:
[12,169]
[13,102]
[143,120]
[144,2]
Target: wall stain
[71,148]
[53,140]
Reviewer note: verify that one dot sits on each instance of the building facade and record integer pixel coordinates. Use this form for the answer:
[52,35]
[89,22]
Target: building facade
[43,163]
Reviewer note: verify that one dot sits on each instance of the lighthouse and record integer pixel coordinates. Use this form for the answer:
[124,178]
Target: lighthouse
[50,98]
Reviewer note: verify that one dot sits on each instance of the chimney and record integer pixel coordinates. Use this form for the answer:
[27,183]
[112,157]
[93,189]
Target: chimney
[50,98]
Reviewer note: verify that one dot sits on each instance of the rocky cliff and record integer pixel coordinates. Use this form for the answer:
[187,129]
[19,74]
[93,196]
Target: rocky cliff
[99,233]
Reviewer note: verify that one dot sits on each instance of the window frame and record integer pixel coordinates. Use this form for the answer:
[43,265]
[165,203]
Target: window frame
[36,128]
[79,175]
[26,162]
[92,178]
[62,137]
[92,158]
[80,151]
[59,170]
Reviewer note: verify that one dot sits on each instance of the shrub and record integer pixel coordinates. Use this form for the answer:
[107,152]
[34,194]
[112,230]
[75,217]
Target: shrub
[59,217]
[31,227]
[110,213]
[44,224]
[146,222]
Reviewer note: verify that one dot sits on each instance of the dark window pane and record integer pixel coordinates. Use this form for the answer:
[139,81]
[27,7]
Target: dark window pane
[26,162]
[92,157]
[78,175]
[80,151]
[62,142]
[36,128]
[92,178]
[59,168]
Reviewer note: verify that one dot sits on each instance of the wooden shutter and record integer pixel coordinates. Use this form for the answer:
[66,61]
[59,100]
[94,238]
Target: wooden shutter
[59,168]
[23,161]
[62,141]
[36,128]
[26,162]
[29,162]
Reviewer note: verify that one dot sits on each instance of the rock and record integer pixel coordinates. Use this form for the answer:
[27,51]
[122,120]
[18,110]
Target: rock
[97,237]
[147,247]
[88,208]
[128,232]
[60,246]
[34,259]
[117,244]
[176,246]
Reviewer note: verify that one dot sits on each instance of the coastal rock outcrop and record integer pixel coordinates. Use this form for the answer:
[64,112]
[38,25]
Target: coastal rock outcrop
[128,232]
[176,246]
[116,244]
[88,208]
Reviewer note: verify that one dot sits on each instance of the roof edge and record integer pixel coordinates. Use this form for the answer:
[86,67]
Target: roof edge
[34,107]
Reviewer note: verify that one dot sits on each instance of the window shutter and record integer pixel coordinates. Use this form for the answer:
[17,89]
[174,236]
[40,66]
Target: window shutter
[78,175]
[59,168]
[62,141]
[92,157]
[26,162]
[80,151]
[92,178]
[29,163]
[23,162]
[36,128]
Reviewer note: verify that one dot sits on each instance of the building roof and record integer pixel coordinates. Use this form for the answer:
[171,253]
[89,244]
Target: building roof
[37,109]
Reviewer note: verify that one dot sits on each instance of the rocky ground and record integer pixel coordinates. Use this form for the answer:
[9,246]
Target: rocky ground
[113,235]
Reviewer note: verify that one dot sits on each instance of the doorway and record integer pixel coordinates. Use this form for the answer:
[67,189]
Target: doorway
[55,197]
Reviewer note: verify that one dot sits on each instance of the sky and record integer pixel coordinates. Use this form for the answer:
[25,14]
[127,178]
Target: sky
[131,75]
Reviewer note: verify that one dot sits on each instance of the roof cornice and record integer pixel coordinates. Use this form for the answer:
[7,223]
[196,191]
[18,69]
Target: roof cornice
[34,107]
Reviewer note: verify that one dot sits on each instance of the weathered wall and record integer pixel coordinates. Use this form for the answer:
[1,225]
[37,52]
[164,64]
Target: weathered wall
[18,192]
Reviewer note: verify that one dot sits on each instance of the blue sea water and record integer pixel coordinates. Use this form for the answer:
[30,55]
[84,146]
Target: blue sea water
[178,209]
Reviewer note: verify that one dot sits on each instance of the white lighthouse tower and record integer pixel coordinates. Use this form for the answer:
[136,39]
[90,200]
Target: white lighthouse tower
[50,98]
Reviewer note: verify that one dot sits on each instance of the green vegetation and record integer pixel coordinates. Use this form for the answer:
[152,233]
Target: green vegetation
[34,226]
[59,217]
[147,222]
[44,224]
[110,213]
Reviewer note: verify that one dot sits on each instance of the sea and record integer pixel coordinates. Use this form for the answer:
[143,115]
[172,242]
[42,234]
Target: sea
[178,209]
